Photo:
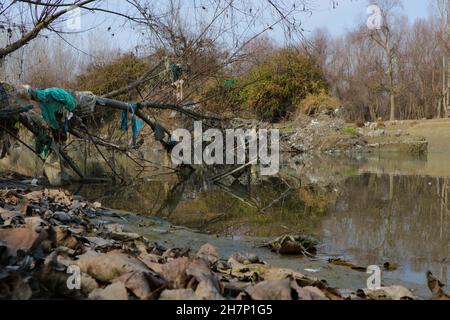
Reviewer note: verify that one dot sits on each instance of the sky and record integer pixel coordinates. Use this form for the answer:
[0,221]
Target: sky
[349,13]
[338,16]
[104,31]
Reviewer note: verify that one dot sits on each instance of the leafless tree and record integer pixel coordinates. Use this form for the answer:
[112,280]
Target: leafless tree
[388,40]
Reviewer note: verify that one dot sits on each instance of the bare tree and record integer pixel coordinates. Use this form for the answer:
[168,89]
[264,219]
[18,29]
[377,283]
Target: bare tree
[357,70]
[442,11]
[386,38]
[42,15]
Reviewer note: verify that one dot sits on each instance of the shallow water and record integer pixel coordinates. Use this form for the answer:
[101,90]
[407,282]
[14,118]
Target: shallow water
[371,210]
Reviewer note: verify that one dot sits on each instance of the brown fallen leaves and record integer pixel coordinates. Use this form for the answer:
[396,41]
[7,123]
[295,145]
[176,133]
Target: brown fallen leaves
[14,286]
[386,293]
[175,272]
[272,290]
[436,288]
[24,239]
[207,285]
[109,266]
[115,291]
[143,285]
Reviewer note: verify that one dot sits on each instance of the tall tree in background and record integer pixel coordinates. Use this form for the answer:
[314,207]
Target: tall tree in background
[442,9]
[387,40]
[357,68]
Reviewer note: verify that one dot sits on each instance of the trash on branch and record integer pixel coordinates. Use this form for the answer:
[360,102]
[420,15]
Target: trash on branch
[54,113]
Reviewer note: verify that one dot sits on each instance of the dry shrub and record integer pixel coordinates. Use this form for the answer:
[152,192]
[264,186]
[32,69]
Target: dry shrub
[102,78]
[277,85]
[322,103]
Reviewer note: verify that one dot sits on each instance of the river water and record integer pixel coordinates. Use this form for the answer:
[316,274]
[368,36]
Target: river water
[368,210]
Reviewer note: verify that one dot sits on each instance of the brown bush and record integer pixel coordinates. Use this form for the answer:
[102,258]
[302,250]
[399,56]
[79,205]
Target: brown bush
[103,78]
[315,104]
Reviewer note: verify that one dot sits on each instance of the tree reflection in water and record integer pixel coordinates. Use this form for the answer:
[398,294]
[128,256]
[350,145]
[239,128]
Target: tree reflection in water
[369,218]
[402,219]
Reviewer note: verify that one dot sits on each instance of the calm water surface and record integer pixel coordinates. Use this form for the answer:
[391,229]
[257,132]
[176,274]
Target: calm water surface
[371,210]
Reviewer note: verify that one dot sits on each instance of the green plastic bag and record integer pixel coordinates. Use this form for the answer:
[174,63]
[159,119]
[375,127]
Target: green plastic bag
[52,101]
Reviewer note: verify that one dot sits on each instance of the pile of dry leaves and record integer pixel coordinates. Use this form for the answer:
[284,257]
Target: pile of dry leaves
[47,236]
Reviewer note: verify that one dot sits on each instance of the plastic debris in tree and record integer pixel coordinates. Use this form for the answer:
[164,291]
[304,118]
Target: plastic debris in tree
[42,137]
[85,101]
[136,124]
[53,101]
[159,133]
[229,83]
[43,143]
[172,141]
[175,72]
[4,96]
[179,89]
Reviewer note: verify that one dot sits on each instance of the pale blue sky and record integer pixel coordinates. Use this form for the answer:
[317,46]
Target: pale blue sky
[337,19]
[351,12]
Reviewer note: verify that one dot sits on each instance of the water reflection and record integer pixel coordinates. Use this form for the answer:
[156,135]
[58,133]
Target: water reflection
[362,211]
[263,208]
[402,219]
